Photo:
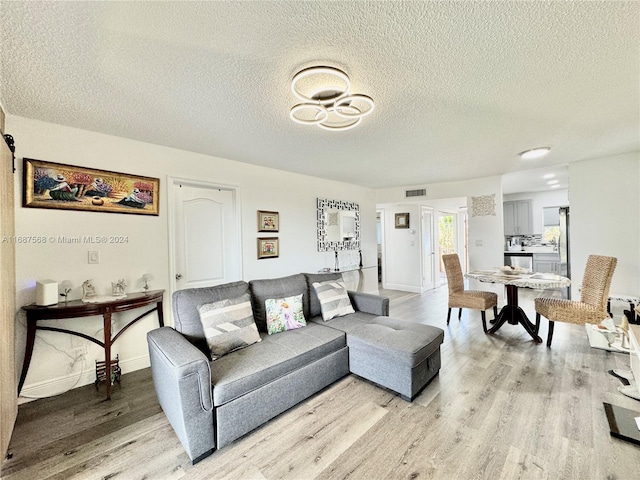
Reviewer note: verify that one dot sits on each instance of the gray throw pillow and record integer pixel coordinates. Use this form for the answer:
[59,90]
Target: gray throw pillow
[334,299]
[228,325]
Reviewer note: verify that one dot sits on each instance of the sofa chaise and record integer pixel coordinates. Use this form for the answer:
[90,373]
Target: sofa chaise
[211,403]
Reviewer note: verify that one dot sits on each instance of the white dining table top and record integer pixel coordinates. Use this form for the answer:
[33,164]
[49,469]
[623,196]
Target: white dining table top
[539,281]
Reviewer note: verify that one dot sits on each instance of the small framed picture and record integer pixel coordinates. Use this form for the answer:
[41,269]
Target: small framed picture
[268,221]
[268,248]
[402,220]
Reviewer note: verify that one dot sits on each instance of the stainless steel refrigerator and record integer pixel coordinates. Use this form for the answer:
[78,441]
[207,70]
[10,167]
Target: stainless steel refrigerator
[563,245]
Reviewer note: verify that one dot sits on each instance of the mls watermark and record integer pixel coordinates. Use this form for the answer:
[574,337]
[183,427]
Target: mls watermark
[66,239]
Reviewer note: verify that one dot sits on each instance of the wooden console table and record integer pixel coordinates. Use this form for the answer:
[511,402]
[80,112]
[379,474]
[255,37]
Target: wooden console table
[78,308]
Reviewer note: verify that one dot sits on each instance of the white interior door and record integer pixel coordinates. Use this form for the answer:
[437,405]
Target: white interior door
[206,246]
[8,384]
[428,250]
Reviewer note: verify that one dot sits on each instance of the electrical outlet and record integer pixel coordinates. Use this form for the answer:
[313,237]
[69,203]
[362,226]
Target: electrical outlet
[94,257]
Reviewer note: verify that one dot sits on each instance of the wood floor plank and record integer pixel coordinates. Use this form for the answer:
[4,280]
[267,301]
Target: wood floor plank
[316,432]
[502,407]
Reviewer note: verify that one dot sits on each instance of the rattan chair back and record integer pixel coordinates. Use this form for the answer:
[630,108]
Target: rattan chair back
[597,280]
[452,268]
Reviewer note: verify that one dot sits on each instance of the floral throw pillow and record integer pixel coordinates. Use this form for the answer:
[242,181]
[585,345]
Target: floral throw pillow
[284,314]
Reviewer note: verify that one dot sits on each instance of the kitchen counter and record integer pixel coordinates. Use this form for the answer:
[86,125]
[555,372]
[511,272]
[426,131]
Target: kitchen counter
[534,249]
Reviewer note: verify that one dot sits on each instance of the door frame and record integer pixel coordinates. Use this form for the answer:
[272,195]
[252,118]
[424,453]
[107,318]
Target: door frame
[172,184]
[434,238]
[383,281]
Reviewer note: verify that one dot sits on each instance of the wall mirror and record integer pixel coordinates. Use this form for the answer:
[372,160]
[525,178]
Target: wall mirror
[338,225]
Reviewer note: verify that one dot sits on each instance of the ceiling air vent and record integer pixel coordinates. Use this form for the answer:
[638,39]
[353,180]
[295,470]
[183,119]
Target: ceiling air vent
[421,192]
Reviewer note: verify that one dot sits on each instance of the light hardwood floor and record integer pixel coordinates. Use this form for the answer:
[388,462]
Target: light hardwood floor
[501,408]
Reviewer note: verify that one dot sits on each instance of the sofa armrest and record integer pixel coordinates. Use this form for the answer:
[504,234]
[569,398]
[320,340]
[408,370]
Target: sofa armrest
[369,303]
[182,380]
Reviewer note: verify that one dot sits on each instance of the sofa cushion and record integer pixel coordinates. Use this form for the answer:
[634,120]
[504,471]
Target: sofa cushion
[228,325]
[245,370]
[186,319]
[261,290]
[399,342]
[333,297]
[284,314]
[311,278]
[348,322]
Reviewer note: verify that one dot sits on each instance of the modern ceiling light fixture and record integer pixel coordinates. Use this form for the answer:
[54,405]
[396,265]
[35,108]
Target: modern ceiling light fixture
[327,100]
[534,153]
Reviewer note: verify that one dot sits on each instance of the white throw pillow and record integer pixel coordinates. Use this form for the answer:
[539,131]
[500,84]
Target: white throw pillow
[228,325]
[334,299]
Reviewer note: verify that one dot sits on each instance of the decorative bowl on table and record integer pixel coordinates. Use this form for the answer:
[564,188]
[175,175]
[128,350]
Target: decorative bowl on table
[508,270]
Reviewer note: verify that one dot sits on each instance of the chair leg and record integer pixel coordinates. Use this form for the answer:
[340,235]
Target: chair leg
[484,320]
[448,316]
[495,312]
[459,313]
[537,329]
[550,334]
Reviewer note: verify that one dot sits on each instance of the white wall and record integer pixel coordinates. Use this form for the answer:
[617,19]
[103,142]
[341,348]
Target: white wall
[402,269]
[605,208]
[146,251]
[540,200]
[486,238]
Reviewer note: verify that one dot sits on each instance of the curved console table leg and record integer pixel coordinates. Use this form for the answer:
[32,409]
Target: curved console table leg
[77,309]
[31,339]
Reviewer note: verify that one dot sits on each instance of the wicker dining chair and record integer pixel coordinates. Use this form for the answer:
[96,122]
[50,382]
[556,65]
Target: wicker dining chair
[461,298]
[592,306]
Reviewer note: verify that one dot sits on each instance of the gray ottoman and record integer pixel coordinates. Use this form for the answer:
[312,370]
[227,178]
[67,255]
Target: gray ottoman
[400,355]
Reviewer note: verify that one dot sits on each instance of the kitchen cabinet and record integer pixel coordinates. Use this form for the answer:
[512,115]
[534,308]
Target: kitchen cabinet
[549,263]
[518,217]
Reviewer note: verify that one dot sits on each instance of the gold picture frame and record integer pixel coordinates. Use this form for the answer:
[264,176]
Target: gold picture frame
[402,220]
[69,187]
[268,221]
[268,248]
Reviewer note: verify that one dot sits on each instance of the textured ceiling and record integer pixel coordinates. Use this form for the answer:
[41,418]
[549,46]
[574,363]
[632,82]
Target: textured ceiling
[460,87]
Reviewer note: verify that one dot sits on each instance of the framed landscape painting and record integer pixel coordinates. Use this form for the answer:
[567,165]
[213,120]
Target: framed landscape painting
[69,187]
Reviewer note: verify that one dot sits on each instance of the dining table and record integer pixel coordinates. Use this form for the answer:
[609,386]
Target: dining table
[512,313]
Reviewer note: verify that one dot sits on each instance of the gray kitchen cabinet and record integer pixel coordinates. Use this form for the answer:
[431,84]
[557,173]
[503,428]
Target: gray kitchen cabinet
[518,217]
[548,263]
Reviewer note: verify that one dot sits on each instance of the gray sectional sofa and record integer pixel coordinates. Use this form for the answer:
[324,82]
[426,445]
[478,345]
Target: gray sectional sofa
[212,403]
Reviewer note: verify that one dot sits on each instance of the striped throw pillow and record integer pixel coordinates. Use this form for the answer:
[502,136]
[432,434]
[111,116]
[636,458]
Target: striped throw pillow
[333,297]
[228,325]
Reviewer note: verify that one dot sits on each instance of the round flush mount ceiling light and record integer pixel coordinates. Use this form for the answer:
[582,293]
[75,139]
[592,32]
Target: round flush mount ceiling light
[534,153]
[327,99]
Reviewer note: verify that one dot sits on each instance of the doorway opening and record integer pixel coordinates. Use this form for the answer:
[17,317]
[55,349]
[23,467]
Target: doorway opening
[380,242]
[447,237]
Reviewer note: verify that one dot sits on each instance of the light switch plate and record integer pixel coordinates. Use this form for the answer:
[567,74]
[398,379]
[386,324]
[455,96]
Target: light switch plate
[94,256]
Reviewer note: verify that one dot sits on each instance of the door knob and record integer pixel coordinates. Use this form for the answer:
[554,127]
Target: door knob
[178,276]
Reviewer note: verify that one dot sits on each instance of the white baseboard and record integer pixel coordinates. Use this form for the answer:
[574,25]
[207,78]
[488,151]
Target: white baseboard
[64,383]
[402,288]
